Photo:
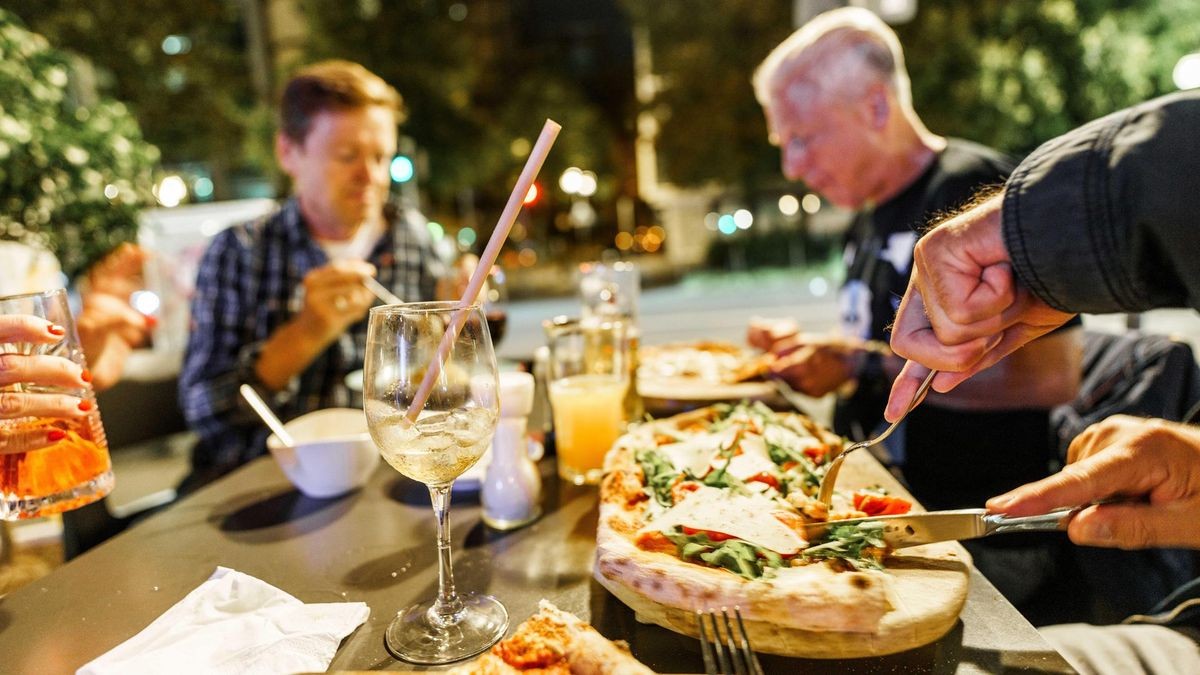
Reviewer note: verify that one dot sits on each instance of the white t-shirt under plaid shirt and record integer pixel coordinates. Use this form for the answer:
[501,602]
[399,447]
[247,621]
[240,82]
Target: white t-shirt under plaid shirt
[249,284]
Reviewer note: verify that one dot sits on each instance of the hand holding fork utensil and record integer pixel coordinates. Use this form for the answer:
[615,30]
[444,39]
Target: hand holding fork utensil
[825,494]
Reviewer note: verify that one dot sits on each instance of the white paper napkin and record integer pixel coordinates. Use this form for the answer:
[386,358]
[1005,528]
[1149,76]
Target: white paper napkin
[234,623]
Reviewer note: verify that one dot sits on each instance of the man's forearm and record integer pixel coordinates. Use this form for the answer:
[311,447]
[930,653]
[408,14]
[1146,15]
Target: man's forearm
[1043,374]
[287,353]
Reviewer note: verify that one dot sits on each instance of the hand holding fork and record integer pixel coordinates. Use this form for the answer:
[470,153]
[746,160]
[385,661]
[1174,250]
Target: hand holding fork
[830,479]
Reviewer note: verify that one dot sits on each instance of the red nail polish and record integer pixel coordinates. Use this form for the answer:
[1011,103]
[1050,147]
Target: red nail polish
[55,435]
[57,331]
[86,375]
[151,321]
[86,406]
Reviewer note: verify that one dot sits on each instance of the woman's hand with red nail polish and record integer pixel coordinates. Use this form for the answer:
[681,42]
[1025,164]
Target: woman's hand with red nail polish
[41,373]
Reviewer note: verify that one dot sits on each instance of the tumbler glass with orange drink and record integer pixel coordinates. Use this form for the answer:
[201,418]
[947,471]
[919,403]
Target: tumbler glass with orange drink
[49,464]
[588,380]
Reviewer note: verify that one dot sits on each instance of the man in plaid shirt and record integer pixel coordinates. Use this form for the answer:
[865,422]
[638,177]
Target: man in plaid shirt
[280,302]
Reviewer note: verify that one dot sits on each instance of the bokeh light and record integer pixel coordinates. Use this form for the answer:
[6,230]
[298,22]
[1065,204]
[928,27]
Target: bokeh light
[527,257]
[402,169]
[811,203]
[726,225]
[171,191]
[202,187]
[570,180]
[789,205]
[1187,72]
[587,183]
[466,237]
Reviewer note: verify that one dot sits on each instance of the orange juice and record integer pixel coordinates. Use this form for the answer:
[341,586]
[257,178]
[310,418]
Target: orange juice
[588,417]
[57,475]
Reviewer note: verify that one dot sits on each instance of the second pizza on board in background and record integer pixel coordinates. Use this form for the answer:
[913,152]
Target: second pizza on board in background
[680,376]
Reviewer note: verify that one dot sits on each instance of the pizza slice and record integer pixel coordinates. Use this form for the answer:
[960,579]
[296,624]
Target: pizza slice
[554,642]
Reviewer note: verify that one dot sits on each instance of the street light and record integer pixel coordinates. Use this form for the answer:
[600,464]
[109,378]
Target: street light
[587,183]
[576,181]
[1187,72]
[571,180]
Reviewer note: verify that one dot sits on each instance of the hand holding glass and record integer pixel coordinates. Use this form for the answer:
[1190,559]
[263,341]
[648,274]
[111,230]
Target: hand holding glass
[451,433]
[53,452]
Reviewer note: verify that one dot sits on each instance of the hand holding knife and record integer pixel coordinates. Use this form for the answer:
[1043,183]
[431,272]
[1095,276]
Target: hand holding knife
[916,529]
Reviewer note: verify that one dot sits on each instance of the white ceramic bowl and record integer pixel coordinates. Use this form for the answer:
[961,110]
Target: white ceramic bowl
[333,454]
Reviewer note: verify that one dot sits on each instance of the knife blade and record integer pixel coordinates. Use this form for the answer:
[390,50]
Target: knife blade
[916,529]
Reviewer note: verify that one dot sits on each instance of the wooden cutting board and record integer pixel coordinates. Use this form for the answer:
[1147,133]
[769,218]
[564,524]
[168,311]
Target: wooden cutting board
[927,593]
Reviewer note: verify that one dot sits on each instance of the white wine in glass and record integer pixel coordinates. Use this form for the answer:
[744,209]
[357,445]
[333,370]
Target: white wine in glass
[451,433]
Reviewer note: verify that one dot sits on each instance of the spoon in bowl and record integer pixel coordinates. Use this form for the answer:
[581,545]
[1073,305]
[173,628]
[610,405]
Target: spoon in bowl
[264,411]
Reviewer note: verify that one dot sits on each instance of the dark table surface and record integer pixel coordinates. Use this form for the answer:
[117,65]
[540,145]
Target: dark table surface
[377,545]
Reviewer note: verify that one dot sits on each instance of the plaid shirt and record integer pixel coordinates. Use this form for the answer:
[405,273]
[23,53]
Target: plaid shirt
[248,285]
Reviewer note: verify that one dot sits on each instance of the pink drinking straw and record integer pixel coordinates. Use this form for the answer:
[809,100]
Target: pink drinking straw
[486,260]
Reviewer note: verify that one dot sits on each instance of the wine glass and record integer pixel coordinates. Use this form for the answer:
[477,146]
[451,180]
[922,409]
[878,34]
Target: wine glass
[450,434]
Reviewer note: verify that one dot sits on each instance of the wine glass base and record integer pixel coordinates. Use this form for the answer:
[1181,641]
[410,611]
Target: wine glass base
[412,637]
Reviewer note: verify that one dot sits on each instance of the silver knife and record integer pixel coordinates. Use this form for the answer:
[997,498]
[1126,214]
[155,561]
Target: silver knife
[915,529]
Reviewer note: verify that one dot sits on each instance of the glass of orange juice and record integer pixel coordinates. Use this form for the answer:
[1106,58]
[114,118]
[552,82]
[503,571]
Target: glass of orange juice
[588,379]
[51,464]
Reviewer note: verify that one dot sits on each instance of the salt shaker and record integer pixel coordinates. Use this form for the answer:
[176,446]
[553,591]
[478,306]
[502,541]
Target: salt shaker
[512,485]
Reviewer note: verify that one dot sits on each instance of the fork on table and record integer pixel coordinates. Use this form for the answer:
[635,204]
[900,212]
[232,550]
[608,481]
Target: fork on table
[724,644]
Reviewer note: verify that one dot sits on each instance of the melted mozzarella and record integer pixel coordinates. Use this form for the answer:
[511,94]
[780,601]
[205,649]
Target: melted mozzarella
[745,517]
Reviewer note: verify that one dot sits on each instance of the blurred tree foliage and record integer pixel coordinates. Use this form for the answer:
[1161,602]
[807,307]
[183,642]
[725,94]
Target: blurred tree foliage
[476,90]
[710,126]
[73,174]
[1014,74]
[196,105]
[1007,74]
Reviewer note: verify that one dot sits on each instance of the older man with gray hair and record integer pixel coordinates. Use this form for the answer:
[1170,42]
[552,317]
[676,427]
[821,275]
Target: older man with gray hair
[838,104]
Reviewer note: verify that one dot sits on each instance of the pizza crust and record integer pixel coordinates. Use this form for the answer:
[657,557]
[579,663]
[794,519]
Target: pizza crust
[811,610]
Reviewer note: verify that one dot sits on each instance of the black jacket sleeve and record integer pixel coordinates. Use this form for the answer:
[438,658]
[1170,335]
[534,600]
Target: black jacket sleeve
[1106,218]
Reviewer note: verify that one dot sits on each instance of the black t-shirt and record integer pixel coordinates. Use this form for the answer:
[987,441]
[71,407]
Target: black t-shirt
[879,246]
[950,459]
[878,258]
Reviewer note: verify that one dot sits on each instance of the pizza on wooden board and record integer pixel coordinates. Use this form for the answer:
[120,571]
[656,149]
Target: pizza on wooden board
[554,642]
[708,509]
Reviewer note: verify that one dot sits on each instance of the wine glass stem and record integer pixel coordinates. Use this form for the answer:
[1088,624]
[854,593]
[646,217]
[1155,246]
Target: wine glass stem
[448,608]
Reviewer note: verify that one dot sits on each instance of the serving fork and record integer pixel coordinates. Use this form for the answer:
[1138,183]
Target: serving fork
[724,644]
[825,493]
